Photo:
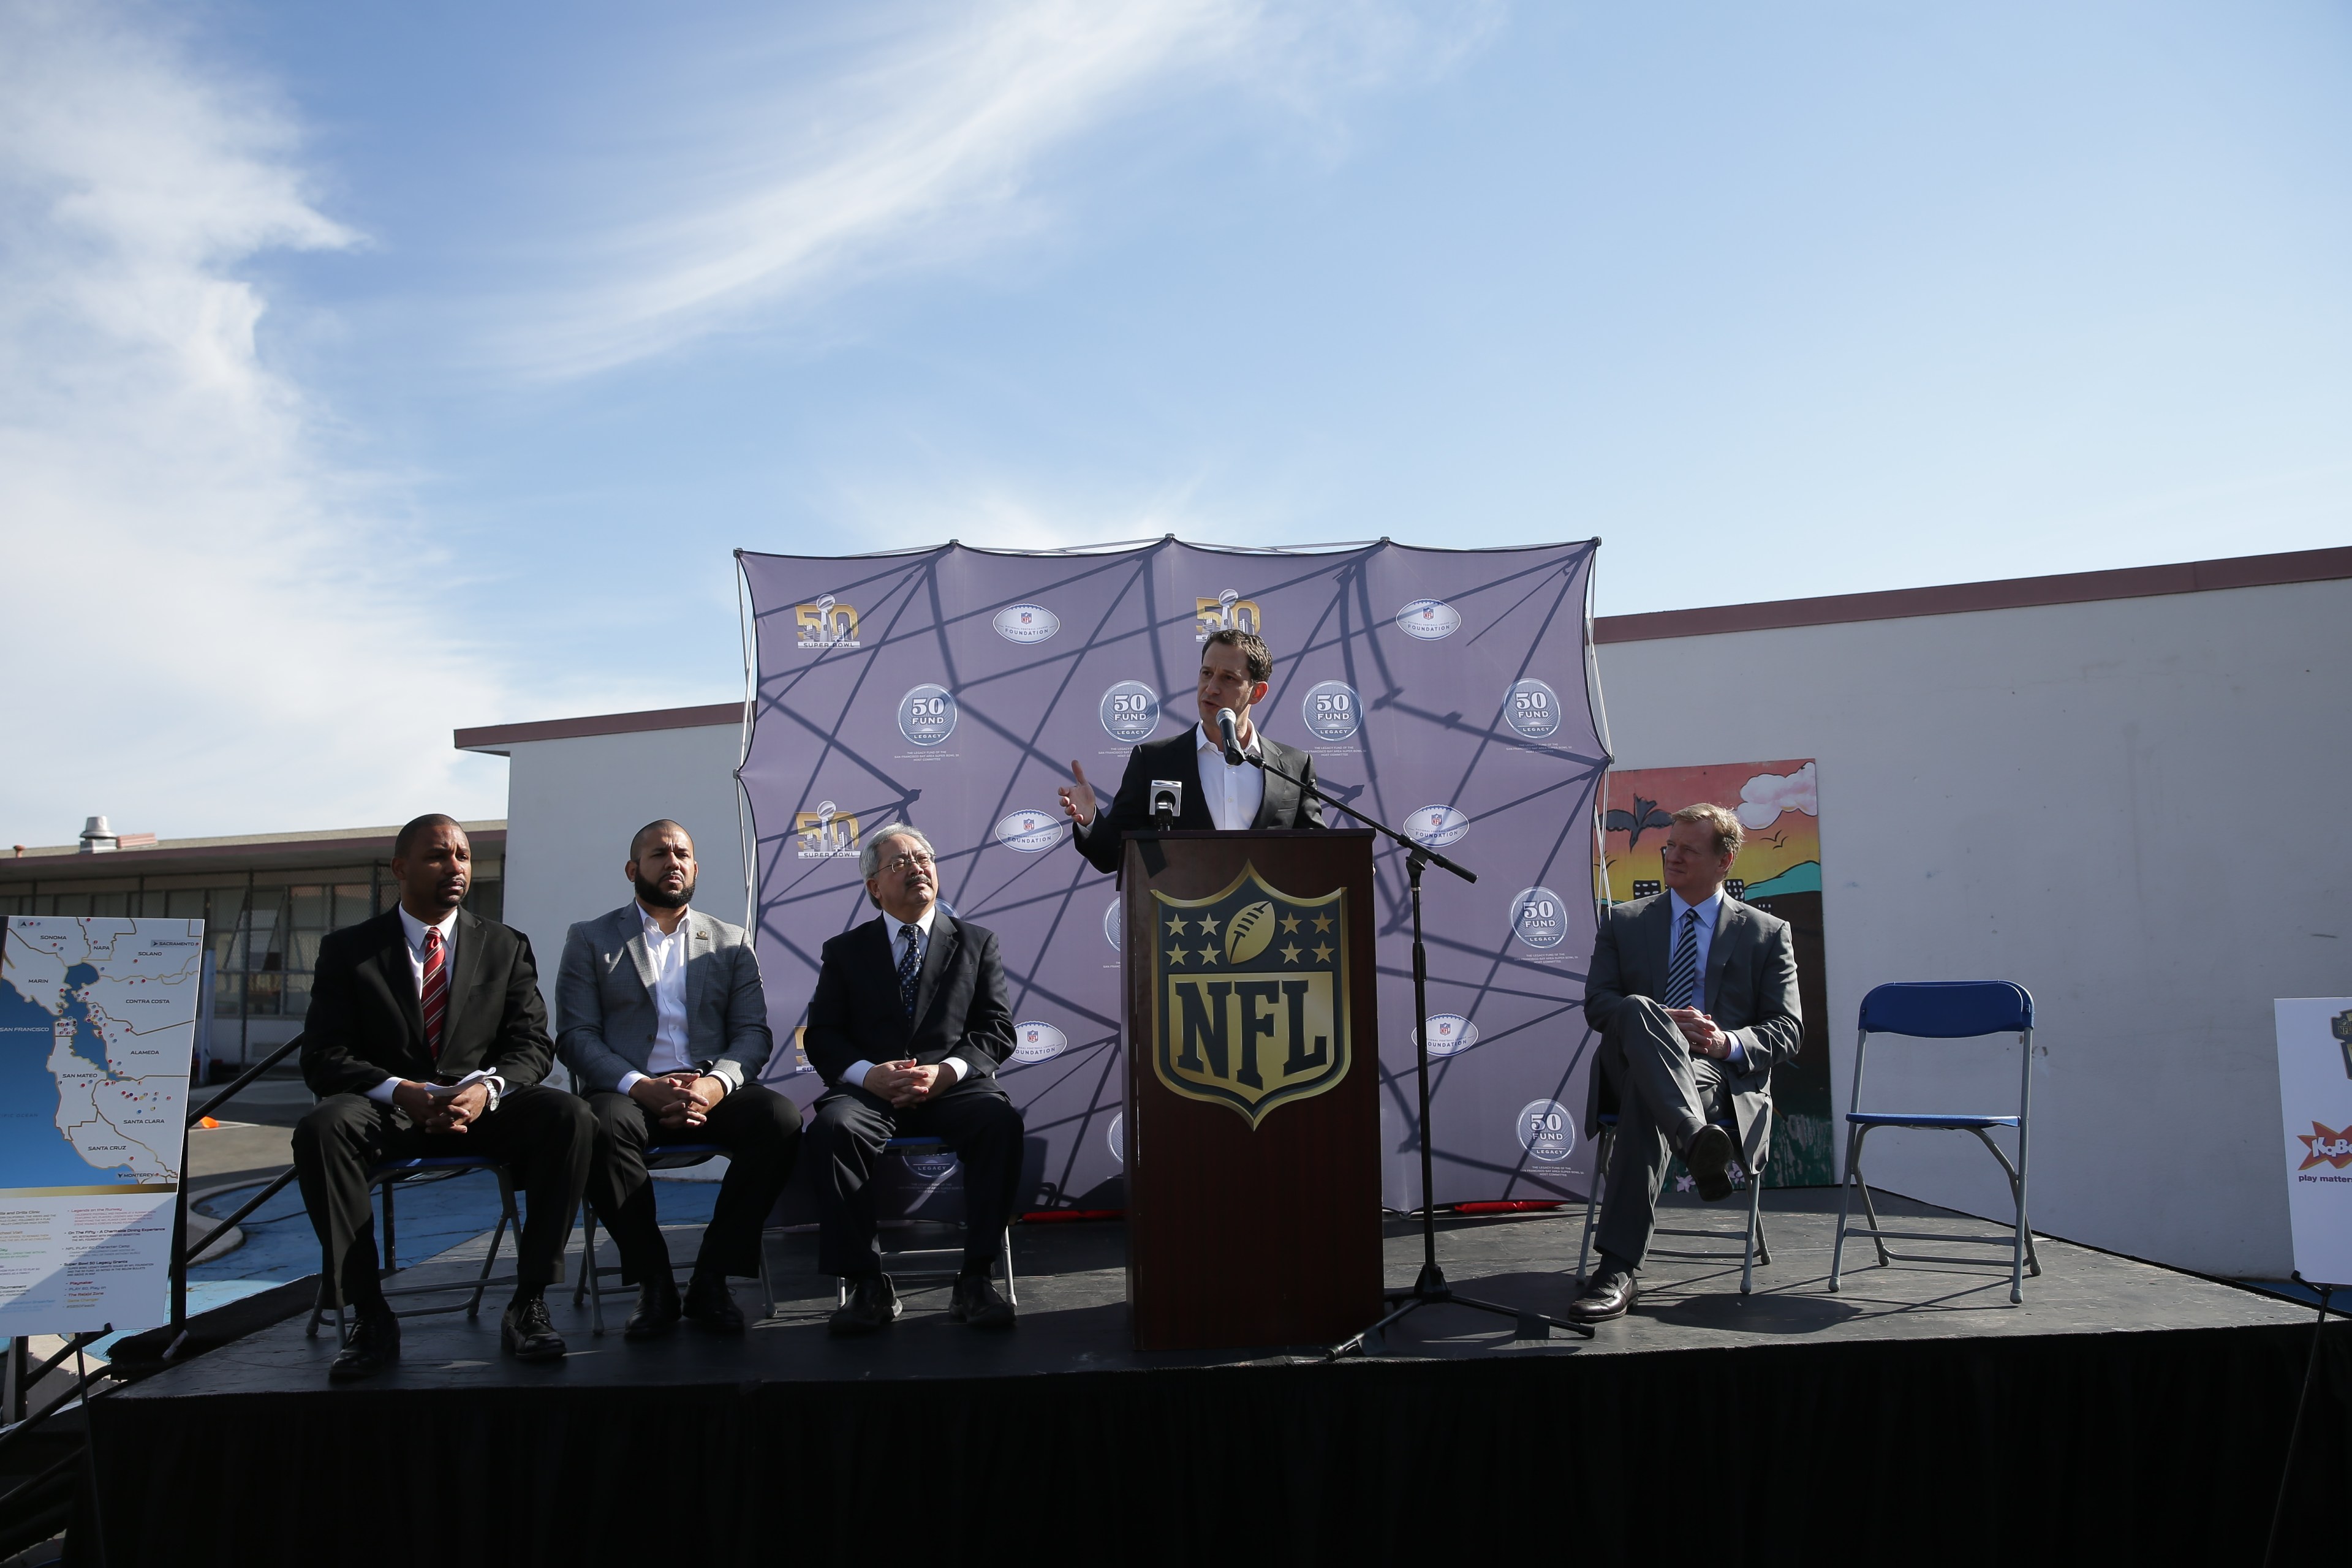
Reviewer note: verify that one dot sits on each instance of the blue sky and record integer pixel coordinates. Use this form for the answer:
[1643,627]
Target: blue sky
[370,370]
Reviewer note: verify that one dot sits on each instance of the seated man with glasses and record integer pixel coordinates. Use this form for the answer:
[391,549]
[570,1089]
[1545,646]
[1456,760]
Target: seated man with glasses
[907,1025]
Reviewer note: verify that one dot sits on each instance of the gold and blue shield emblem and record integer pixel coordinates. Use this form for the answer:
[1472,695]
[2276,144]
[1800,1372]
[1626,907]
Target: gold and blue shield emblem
[1251,987]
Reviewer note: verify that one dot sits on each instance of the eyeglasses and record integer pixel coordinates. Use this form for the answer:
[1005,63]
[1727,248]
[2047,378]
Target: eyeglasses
[908,862]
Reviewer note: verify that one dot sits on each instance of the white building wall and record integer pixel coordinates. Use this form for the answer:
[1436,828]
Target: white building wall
[2127,807]
[573,806]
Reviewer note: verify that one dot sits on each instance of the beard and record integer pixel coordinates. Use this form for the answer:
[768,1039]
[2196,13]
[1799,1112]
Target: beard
[658,897]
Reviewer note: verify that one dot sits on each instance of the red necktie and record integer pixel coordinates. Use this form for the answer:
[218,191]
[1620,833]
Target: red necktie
[436,992]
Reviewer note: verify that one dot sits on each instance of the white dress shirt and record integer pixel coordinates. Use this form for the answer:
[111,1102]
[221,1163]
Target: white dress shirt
[668,952]
[1710,910]
[954,1066]
[1232,794]
[413,930]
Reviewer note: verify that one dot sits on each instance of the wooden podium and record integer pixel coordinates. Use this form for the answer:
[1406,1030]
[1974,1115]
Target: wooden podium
[1252,1127]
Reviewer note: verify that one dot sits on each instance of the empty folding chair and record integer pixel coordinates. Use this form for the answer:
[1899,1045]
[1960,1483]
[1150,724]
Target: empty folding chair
[1943,1009]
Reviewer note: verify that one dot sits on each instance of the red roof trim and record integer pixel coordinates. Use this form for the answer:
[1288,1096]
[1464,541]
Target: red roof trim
[490,737]
[1960,598]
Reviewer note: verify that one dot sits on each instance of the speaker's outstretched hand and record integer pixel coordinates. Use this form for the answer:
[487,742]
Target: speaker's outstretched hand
[1078,798]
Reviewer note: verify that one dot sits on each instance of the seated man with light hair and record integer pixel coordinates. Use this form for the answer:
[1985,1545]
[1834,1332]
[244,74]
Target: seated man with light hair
[1693,995]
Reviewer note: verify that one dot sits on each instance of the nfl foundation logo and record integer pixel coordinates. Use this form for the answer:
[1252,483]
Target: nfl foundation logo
[824,833]
[926,715]
[1540,919]
[1251,989]
[1030,832]
[1116,1137]
[1332,710]
[1532,708]
[1110,924]
[1130,711]
[1026,624]
[1037,1041]
[1429,620]
[1434,827]
[1450,1033]
[1546,1131]
[827,624]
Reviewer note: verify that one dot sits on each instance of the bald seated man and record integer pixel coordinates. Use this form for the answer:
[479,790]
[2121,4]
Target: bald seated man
[663,1022]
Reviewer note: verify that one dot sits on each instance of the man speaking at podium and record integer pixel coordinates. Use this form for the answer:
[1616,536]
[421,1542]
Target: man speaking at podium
[1234,670]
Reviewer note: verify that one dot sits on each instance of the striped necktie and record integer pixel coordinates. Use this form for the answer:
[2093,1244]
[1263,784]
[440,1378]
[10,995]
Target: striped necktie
[1682,975]
[910,968]
[435,992]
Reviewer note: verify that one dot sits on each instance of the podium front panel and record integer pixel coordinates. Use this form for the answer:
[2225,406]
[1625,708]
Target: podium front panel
[1251,1129]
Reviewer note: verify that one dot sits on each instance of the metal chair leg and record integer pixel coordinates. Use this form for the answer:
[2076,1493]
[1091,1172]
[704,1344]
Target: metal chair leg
[766,1280]
[1845,1201]
[589,1282]
[505,1213]
[390,1247]
[1011,1294]
[1755,1232]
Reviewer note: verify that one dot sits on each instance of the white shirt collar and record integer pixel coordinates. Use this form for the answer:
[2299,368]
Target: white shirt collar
[1216,743]
[892,924]
[654,932]
[414,929]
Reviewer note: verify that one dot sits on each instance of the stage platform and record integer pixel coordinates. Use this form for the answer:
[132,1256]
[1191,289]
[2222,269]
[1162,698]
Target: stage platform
[2124,1408]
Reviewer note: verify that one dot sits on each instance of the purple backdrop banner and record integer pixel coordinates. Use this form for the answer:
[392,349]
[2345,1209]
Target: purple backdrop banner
[1443,689]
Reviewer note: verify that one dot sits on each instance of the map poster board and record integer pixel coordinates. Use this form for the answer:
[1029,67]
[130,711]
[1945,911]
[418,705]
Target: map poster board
[2315,1058]
[97,1022]
[1780,871]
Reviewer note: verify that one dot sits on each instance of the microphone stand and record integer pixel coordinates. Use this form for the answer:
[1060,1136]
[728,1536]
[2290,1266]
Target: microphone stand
[1430,1289]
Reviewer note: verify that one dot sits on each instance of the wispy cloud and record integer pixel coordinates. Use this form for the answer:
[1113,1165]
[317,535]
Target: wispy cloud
[933,144]
[211,625]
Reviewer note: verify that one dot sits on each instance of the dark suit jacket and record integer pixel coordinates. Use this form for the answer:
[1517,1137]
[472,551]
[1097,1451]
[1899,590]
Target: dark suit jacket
[1750,991]
[961,1007]
[1179,758]
[365,1025]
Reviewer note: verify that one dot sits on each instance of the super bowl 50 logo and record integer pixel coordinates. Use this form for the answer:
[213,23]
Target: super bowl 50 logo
[825,833]
[1251,987]
[827,624]
[1228,611]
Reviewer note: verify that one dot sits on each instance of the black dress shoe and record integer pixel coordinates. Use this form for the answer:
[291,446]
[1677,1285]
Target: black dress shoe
[657,1312]
[374,1344]
[1709,1159]
[528,1332]
[710,1305]
[873,1304]
[1605,1297]
[977,1302]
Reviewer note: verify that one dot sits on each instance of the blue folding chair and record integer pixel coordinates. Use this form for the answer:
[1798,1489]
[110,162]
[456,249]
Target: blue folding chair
[1943,1009]
[910,1146]
[1752,1247]
[391,1175]
[658,1157]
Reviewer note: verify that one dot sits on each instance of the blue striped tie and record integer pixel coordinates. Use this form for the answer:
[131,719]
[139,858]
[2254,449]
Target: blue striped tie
[910,968]
[1682,975]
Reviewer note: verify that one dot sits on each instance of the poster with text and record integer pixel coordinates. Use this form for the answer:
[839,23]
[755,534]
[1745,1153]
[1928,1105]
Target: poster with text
[97,1024]
[2315,1058]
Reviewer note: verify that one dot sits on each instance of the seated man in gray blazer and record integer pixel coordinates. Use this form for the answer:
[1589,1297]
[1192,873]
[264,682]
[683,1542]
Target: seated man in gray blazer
[1694,997]
[661,1018]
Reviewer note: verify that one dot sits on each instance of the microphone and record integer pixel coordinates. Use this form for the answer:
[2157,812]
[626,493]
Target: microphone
[1233,757]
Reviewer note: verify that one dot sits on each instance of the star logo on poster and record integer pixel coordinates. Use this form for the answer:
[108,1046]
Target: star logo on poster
[2324,1147]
